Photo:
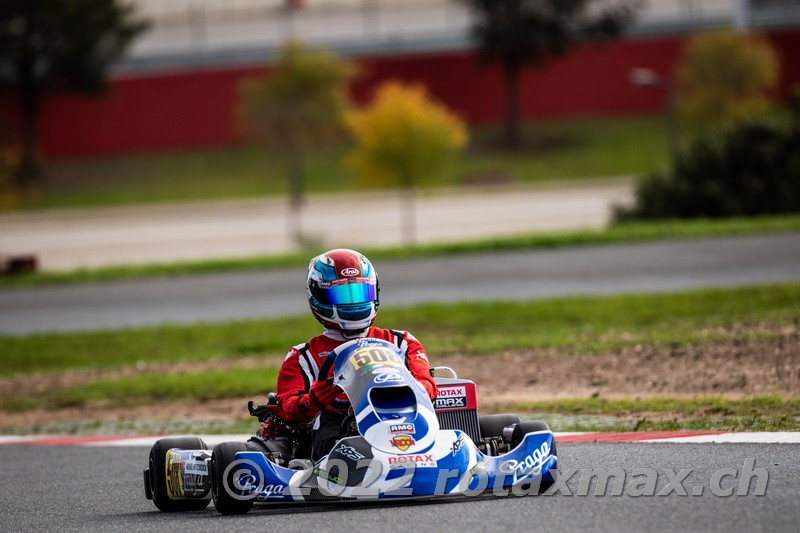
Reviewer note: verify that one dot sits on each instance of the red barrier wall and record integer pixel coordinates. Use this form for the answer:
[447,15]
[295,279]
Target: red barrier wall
[197,108]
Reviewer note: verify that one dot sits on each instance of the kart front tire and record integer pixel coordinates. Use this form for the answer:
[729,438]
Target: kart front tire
[222,456]
[157,476]
[529,426]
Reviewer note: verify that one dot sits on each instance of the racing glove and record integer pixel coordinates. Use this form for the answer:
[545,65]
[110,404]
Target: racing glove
[320,396]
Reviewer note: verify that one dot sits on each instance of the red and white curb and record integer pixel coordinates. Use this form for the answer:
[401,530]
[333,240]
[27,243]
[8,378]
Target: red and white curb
[634,436]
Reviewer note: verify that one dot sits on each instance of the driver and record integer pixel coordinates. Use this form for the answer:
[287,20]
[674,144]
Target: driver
[342,289]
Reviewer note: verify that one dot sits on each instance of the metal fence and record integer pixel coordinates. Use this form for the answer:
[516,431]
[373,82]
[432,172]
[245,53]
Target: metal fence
[238,30]
[177,11]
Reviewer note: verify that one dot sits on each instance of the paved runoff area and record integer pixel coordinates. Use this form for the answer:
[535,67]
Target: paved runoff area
[86,238]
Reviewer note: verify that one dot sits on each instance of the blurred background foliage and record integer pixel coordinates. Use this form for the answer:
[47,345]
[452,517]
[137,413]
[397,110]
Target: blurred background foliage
[528,33]
[404,138]
[725,76]
[743,153]
[297,109]
[49,46]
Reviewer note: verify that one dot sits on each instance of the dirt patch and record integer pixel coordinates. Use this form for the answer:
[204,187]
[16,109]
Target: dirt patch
[33,384]
[732,368]
[226,409]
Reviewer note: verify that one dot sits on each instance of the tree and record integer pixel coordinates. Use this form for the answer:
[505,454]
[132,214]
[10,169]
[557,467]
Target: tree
[404,137]
[750,167]
[297,107]
[58,44]
[519,32]
[725,76]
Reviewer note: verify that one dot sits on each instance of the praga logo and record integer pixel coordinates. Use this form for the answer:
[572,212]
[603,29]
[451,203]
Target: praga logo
[270,491]
[403,442]
[532,462]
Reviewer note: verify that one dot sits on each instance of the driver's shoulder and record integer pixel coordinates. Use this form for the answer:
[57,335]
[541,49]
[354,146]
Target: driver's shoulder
[386,334]
[320,345]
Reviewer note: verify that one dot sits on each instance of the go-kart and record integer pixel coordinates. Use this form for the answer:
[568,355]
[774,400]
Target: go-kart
[395,444]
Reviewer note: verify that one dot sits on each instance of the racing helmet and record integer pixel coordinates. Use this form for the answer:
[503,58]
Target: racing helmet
[342,288]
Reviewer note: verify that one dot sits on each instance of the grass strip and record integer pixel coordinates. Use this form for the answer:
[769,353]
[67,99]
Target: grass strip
[700,407]
[619,233]
[579,324]
[144,388]
[756,413]
[563,149]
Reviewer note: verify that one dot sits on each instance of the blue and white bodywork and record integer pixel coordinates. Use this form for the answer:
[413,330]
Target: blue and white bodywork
[401,451]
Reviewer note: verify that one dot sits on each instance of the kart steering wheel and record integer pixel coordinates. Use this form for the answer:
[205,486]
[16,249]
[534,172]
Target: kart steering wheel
[324,370]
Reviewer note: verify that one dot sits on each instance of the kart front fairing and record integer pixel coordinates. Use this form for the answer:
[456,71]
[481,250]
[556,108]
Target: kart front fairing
[401,452]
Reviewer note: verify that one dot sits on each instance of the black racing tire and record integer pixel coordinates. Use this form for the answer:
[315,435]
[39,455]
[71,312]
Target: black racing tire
[158,475]
[222,456]
[529,426]
[493,425]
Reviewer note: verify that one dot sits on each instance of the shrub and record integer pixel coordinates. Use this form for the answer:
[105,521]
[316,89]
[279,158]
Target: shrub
[748,169]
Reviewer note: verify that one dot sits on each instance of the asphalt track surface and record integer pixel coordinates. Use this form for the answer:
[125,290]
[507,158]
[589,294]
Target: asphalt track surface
[99,489]
[591,270]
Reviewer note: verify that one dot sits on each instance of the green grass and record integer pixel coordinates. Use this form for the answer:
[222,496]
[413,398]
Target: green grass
[146,387]
[757,413]
[701,407]
[213,174]
[578,325]
[628,232]
[568,149]
[564,149]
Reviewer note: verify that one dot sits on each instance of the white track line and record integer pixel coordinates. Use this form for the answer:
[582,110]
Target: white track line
[210,440]
[764,437]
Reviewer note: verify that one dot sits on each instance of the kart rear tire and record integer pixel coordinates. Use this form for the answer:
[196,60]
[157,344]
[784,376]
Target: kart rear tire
[222,456]
[493,425]
[158,475]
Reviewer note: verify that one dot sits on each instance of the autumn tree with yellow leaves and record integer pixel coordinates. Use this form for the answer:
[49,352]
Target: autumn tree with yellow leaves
[403,138]
[725,77]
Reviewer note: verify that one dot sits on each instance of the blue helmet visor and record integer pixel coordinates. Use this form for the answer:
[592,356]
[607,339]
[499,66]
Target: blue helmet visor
[350,293]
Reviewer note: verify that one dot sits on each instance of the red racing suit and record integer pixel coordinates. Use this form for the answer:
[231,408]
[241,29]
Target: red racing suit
[301,366]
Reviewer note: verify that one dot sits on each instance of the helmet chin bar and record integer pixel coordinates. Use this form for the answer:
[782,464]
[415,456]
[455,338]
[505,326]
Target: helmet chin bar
[353,333]
[348,334]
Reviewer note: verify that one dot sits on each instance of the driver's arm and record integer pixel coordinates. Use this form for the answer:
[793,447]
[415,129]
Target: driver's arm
[419,366]
[300,398]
